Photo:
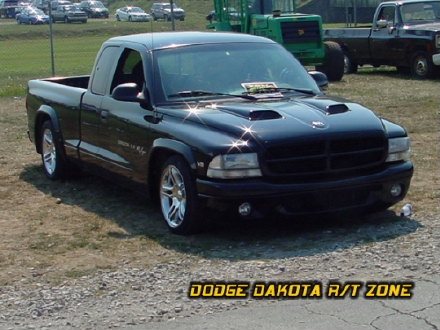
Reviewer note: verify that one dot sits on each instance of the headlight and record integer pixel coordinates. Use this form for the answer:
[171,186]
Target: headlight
[234,166]
[398,149]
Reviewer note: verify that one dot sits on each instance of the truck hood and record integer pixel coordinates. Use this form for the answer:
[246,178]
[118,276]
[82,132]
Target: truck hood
[434,27]
[274,122]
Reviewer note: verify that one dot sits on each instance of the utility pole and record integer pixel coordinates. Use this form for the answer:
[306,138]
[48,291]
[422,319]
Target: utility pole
[173,24]
[52,56]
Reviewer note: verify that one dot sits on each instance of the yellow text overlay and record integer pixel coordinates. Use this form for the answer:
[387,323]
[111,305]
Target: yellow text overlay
[301,290]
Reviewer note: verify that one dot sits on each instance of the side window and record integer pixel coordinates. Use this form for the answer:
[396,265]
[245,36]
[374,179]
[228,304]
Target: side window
[102,70]
[130,69]
[388,13]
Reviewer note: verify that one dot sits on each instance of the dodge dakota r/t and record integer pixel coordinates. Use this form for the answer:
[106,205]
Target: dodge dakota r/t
[207,120]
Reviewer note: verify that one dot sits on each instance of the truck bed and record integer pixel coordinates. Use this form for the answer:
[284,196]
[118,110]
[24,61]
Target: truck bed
[62,95]
[355,32]
[76,81]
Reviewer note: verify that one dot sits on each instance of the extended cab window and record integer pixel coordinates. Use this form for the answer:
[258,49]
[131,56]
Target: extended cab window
[103,70]
[130,69]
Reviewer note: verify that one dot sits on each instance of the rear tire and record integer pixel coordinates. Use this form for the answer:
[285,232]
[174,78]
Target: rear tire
[54,164]
[350,66]
[333,65]
[179,203]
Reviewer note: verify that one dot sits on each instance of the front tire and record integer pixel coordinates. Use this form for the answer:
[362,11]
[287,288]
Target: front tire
[421,65]
[333,65]
[179,203]
[54,164]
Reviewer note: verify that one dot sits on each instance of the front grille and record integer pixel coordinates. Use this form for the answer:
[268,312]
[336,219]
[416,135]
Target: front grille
[298,32]
[326,157]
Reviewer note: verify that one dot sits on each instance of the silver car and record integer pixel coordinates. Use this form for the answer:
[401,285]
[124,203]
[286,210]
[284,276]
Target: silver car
[132,14]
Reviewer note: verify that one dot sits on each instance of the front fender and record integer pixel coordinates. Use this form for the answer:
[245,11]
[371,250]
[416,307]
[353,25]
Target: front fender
[174,146]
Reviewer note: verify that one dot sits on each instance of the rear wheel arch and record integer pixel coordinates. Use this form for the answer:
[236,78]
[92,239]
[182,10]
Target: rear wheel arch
[44,114]
[350,63]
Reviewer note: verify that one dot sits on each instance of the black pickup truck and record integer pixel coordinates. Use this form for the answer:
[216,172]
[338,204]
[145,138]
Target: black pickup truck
[209,120]
[405,34]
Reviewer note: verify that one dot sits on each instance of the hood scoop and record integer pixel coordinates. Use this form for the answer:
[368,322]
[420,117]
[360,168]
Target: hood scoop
[336,108]
[249,114]
[326,106]
[263,115]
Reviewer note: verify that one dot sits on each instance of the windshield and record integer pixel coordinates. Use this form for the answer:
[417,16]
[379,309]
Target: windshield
[167,6]
[268,6]
[135,10]
[420,12]
[36,12]
[236,68]
[96,5]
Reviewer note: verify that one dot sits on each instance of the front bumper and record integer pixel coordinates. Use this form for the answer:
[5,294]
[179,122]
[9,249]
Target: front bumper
[99,14]
[436,59]
[77,18]
[358,193]
[140,19]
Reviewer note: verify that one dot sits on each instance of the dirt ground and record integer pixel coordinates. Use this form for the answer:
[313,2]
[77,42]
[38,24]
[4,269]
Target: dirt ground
[66,229]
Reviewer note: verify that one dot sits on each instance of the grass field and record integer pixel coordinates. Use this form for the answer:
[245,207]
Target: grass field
[65,229]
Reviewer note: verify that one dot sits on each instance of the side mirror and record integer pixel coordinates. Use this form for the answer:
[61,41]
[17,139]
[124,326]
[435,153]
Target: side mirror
[320,78]
[129,92]
[382,23]
[126,92]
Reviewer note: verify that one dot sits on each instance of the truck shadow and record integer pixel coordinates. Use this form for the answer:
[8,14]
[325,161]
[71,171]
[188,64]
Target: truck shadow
[270,238]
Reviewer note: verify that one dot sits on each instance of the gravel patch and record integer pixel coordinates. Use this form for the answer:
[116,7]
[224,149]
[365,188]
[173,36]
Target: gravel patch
[405,249]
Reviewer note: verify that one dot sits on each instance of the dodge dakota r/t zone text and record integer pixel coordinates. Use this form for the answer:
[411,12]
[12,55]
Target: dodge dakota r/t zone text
[210,120]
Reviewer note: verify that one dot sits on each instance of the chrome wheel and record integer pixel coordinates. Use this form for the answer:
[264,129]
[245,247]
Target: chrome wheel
[49,151]
[347,64]
[421,66]
[173,196]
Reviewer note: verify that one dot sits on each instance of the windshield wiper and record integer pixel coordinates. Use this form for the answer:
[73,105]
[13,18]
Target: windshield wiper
[265,90]
[196,93]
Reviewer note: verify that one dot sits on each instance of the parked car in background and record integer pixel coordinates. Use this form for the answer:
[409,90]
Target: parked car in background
[30,15]
[68,14]
[94,9]
[57,3]
[132,14]
[162,10]
[7,8]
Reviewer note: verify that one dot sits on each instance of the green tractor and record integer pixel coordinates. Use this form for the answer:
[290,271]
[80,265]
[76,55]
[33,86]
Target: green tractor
[301,34]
